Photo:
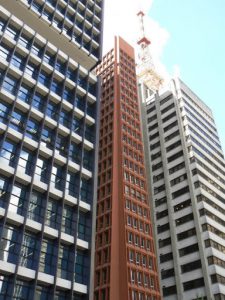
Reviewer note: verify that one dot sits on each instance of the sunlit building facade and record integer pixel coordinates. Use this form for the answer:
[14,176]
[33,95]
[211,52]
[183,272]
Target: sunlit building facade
[49,101]
[125,261]
[186,169]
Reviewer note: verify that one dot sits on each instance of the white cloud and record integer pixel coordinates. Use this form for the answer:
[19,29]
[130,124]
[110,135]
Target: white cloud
[121,19]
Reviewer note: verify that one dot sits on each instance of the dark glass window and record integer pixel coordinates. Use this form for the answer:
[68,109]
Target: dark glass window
[61,144]
[69,219]
[23,290]
[53,213]
[49,58]
[26,161]
[72,74]
[44,78]
[12,32]
[191,266]
[37,49]
[189,249]
[162,228]
[6,283]
[24,93]
[17,120]
[56,87]
[184,219]
[186,234]
[162,214]
[167,273]
[86,190]
[165,242]
[84,226]
[170,290]
[18,199]
[166,257]
[4,112]
[9,244]
[72,184]
[31,70]
[36,209]
[160,201]
[175,156]
[88,160]
[64,118]
[8,153]
[167,108]
[4,185]
[32,130]
[77,126]
[91,109]
[43,293]
[10,84]
[30,250]
[79,102]
[180,192]
[5,52]
[18,61]
[42,169]
[60,66]
[193,284]
[57,177]
[68,94]
[52,110]
[82,267]
[47,137]
[25,41]
[65,262]
[2,24]
[39,102]
[48,256]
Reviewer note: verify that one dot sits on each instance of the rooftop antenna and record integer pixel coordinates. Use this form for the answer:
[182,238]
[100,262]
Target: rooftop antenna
[145,67]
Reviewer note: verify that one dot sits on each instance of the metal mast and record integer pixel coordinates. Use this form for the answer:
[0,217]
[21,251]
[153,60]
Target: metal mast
[145,68]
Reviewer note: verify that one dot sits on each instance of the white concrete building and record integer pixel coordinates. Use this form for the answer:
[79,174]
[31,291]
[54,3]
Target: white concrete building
[187,182]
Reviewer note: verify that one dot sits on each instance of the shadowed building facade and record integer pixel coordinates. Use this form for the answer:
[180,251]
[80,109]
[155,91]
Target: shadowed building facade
[48,132]
[125,262]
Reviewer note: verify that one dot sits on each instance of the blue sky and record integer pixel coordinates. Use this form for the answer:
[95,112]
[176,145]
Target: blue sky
[197,46]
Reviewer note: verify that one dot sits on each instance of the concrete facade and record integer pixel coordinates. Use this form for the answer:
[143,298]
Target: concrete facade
[186,171]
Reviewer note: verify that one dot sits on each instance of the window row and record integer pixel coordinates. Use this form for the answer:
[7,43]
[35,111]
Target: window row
[140,259]
[138,224]
[139,241]
[134,207]
[142,279]
[35,129]
[43,209]
[46,255]
[61,23]
[20,289]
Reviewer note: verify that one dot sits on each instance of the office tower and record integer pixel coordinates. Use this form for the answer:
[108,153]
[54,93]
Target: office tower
[187,179]
[125,262]
[48,132]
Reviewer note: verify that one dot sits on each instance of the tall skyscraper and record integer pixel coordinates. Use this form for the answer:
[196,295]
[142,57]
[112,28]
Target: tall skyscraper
[125,261]
[48,128]
[187,180]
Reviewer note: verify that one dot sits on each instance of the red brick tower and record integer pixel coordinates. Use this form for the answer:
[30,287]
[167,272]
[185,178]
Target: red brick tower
[125,261]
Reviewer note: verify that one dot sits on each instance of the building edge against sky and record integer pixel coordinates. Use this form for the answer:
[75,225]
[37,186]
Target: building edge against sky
[187,182]
[48,147]
[125,254]
[185,168]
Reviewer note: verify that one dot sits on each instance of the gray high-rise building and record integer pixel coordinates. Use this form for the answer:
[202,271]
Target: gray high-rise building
[187,183]
[49,101]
